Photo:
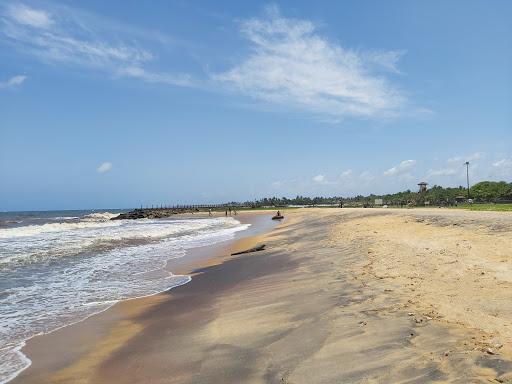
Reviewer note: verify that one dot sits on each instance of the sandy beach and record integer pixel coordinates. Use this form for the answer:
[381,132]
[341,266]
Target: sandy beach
[337,296]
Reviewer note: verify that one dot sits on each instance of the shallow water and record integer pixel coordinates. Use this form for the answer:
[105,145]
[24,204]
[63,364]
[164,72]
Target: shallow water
[57,268]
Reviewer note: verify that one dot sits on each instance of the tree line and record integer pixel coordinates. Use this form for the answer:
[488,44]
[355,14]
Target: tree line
[485,192]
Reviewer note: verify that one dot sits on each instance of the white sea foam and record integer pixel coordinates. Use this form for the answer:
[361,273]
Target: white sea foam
[56,274]
[99,216]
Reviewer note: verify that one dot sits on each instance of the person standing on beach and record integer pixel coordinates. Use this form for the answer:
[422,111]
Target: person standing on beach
[209,211]
[226,213]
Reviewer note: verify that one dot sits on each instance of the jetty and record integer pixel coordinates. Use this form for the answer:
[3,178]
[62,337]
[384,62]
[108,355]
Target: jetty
[168,211]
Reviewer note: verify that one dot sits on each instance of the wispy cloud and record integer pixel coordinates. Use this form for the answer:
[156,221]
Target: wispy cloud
[405,175]
[13,81]
[291,64]
[366,176]
[36,32]
[503,163]
[503,168]
[401,169]
[471,157]
[482,167]
[155,77]
[62,35]
[104,167]
[441,172]
[29,16]
[384,59]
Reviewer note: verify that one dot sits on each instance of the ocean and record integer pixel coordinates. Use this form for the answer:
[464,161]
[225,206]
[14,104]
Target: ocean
[60,267]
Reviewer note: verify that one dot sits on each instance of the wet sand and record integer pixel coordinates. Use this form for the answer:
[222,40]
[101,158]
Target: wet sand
[338,296]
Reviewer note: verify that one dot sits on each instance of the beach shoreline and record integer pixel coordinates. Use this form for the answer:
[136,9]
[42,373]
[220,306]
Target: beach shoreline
[337,296]
[72,340]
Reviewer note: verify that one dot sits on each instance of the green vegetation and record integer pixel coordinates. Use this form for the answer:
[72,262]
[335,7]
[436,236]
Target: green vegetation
[493,192]
[486,207]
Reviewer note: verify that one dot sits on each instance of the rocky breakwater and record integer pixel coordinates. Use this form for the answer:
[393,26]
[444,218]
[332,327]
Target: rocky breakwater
[152,213]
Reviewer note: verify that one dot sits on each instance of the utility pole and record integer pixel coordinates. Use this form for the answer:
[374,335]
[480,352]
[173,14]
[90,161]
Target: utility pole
[467,175]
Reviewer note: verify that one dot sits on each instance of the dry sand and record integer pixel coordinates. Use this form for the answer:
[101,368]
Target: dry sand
[339,296]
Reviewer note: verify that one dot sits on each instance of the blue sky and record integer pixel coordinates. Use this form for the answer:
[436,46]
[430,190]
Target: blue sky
[117,104]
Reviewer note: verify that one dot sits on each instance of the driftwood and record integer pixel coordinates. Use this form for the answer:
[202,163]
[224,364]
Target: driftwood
[255,249]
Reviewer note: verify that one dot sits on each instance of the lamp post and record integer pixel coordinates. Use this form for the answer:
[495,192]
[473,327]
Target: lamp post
[467,175]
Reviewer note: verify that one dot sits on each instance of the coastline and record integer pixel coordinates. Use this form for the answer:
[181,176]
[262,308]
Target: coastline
[337,296]
[71,341]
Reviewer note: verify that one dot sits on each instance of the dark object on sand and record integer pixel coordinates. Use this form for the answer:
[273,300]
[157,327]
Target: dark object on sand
[278,217]
[255,249]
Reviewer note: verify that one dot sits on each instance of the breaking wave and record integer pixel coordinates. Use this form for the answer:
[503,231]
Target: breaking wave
[57,273]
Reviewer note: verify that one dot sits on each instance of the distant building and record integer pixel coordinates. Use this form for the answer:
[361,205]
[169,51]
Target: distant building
[460,199]
[423,187]
[378,201]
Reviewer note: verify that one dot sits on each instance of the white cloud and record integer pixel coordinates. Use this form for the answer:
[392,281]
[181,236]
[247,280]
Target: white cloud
[152,77]
[503,163]
[454,170]
[441,172]
[366,176]
[472,157]
[13,81]
[385,59]
[291,64]
[67,41]
[403,176]
[502,169]
[291,184]
[31,17]
[319,178]
[63,35]
[400,169]
[105,167]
